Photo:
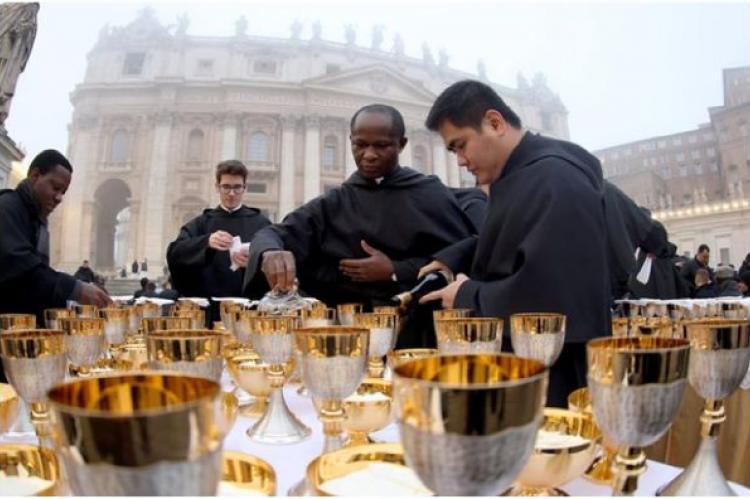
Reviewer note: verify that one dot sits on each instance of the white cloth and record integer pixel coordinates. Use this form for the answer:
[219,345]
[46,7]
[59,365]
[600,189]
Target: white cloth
[201,302]
[237,247]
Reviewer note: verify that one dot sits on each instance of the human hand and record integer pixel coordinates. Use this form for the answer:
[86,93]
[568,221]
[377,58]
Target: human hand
[377,267]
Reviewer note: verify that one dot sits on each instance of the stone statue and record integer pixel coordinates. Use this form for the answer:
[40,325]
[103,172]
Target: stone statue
[296,29]
[317,30]
[350,34]
[183,22]
[398,45]
[427,55]
[240,27]
[17,33]
[377,36]
[443,58]
[481,70]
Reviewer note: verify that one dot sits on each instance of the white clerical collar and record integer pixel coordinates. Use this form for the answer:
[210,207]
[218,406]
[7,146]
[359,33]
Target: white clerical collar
[228,210]
[378,180]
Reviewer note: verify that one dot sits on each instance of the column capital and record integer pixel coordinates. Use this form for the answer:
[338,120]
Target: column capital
[289,121]
[162,118]
[312,120]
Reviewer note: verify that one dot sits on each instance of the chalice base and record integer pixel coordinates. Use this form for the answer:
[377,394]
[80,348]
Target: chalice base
[523,491]
[600,470]
[302,391]
[254,409]
[300,489]
[702,477]
[278,425]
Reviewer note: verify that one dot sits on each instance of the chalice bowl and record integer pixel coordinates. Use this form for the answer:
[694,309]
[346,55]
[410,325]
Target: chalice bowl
[347,311]
[116,324]
[368,409]
[565,447]
[383,331]
[146,434]
[332,362]
[84,341]
[34,361]
[51,315]
[538,336]
[29,470]
[463,335]
[10,406]
[227,309]
[151,324]
[246,475]
[17,321]
[401,355]
[273,339]
[719,358]
[449,313]
[600,470]
[636,387]
[318,316]
[242,320]
[197,316]
[468,423]
[195,352]
[250,374]
[86,311]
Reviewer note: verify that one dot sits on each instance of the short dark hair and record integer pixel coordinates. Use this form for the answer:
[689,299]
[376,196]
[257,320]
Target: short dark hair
[703,247]
[231,167]
[398,128]
[465,103]
[47,160]
[144,282]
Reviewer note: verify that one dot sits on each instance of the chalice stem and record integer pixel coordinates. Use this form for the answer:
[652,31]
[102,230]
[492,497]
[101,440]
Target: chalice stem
[630,463]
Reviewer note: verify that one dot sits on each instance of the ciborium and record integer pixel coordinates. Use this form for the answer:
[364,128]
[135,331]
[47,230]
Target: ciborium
[368,409]
[719,358]
[272,337]
[469,335]
[195,352]
[469,422]
[636,387]
[538,336]
[116,324]
[34,361]
[51,315]
[10,407]
[600,470]
[144,434]
[383,331]
[245,475]
[29,470]
[565,447]
[84,341]
[332,363]
[347,311]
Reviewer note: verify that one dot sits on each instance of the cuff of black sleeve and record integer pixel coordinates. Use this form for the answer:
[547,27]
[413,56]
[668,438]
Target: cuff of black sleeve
[466,296]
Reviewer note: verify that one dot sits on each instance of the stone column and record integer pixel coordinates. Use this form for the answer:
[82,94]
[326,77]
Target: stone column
[454,176]
[157,209]
[229,137]
[312,157]
[87,229]
[350,164]
[439,166]
[286,171]
[133,232]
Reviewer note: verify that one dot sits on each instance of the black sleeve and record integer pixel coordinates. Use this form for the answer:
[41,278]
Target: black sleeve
[188,254]
[458,256]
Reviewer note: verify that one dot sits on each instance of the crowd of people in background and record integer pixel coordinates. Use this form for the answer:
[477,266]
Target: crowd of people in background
[705,282]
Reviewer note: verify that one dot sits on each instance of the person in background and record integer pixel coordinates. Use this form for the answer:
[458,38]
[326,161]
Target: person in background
[700,261]
[84,272]
[726,282]
[134,268]
[744,284]
[703,287]
[144,288]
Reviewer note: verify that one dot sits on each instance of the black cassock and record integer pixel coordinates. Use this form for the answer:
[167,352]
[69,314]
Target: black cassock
[408,216]
[198,270]
[543,248]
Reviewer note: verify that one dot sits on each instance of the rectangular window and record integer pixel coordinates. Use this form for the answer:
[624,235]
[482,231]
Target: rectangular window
[256,188]
[262,66]
[695,154]
[205,67]
[329,157]
[133,63]
[724,255]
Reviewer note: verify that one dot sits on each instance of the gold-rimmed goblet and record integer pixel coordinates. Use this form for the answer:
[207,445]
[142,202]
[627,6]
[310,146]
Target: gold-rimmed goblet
[51,315]
[368,409]
[150,310]
[246,475]
[151,324]
[272,337]
[196,352]
[85,342]
[197,316]
[34,361]
[347,311]
[227,310]
[116,324]
[17,321]
[242,320]
[86,311]
[318,316]
[719,358]
[10,406]
[469,335]
[655,327]
[636,387]
[565,447]
[396,357]
[383,331]
[141,434]
[538,336]
[133,350]
[468,423]
[449,313]
[29,470]
[250,374]
[600,470]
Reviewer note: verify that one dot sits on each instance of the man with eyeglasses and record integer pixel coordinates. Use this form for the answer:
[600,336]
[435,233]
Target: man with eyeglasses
[200,261]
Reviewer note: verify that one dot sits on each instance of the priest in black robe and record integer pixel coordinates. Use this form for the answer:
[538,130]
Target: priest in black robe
[543,247]
[200,262]
[366,240]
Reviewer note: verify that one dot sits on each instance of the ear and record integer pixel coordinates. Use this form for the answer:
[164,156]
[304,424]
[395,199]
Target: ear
[495,121]
[34,174]
[402,143]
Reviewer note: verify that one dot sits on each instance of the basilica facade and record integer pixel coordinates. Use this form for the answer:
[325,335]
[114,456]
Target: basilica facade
[159,108]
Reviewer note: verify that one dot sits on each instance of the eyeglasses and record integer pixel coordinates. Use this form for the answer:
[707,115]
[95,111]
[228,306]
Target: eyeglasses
[237,188]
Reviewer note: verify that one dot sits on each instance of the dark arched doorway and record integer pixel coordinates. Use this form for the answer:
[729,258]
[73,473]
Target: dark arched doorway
[110,199]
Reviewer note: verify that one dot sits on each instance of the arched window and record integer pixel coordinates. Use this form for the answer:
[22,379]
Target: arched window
[195,145]
[419,159]
[330,153]
[258,147]
[119,146]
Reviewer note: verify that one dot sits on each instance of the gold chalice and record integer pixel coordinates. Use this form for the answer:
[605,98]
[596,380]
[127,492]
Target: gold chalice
[149,325]
[600,470]
[150,310]
[227,309]
[386,309]
[197,316]
[368,409]
[251,375]
[116,324]
[84,341]
[10,407]
[468,423]
[538,336]
[52,314]
[102,367]
[346,312]
[143,434]
[246,475]
[86,311]
[373,469]
[565,447]
[655,327]
[242,320]
[463,335]
[34,361]
[29,470]
[318,316]
[196,352]
[133,350]
[383,330]
[332,361]
[396,357]
[272,337]
[449,313]
[620,327]
[636,387]
[719,358]
[135,316]
[17,321]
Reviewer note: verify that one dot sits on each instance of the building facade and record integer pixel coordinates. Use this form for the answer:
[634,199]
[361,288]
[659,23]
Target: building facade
[158,110]
[696,182]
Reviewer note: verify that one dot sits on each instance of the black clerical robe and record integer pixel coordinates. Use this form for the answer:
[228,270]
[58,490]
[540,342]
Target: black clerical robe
[474,203]
[407,215]
[198,270]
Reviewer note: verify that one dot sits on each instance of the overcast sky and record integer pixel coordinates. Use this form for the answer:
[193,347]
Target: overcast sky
[625,71]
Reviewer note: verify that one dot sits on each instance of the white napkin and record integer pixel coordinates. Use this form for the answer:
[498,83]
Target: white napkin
[645,273]
[157,301]
[237,246]
[201,302]
[122,298]
[242,301]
